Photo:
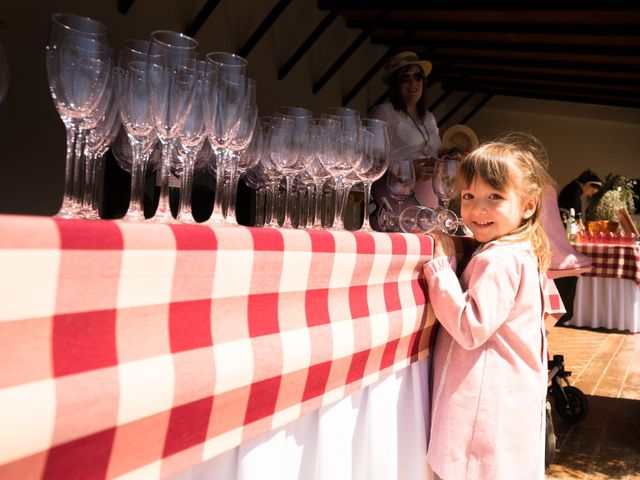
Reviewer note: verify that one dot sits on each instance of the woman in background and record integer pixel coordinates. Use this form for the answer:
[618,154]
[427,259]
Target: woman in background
[413,129]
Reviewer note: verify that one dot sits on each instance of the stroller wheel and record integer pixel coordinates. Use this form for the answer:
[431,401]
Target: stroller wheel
[574,408]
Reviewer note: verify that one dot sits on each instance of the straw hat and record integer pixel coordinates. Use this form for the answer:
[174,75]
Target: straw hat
[403,59]
[461,137]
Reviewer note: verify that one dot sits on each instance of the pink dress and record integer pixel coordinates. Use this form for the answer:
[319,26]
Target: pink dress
[490,365]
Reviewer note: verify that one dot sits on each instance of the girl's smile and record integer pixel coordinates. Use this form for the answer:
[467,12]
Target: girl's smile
[490,213]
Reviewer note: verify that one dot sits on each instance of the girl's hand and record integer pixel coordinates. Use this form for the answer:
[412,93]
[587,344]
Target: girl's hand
[443,245]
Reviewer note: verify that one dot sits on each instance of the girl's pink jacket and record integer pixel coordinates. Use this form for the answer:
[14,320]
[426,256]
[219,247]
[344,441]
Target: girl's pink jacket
[490,365]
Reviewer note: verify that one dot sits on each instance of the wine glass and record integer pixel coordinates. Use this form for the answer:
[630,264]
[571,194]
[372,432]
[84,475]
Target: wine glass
[301,150]
[375,160]
[444,186]
[78,68]
[349,142]
[223,109]
[190,141]
[135,112]
[98,140]
[417,219]
[171,77]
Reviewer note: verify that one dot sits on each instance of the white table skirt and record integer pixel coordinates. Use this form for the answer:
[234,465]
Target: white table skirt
[612,303]
[377,433]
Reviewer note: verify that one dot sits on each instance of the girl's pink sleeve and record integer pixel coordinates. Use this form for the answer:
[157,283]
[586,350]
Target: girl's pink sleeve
[471,317]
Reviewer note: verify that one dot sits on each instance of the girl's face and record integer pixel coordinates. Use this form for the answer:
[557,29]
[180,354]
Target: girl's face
[491,213]
[410,83]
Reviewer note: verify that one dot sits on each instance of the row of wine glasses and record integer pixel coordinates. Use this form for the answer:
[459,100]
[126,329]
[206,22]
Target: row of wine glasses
[161,93]
[177,113]
[338,149]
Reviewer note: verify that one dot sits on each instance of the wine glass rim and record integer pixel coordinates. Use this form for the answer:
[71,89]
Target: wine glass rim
[372,120]
[306,113]
[335,110]
[130,42]
[101,30]
[238,60]
[191,43]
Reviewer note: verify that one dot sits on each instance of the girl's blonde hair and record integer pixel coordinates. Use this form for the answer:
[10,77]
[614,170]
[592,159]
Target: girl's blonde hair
[519,161]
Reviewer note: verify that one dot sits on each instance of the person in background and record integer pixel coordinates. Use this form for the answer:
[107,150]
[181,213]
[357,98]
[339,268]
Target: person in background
[413,130]
[490,356]
[571,195]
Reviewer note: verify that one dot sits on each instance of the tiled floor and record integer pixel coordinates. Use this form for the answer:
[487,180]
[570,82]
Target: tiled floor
[606,367]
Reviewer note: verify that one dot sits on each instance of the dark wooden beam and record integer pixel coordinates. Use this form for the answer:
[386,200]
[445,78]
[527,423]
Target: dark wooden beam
[512,45]
[563,95]
[488,5]
[455,108]
[266,24]
[309,41]
[347,53]
[375,68]
[510,28]
[201,17]
[124,6]
[477,108]
[443,96]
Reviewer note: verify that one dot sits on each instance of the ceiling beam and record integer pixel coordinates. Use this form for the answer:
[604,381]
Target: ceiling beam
[201,17]
[359,40]
[309,41]
[455,108]
[266,24]
[564,95]
[487,5]
[124,6]
[476,109]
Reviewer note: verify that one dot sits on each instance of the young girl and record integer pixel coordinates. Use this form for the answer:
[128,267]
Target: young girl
[490,361]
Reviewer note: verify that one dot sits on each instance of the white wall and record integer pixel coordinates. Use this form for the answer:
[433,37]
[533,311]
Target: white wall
[32,140]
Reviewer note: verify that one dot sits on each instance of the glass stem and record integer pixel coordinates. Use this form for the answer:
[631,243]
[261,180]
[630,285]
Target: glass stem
[365,214]
[78,169]
[259,213]
[317,221]
[186,187]
[98,180]
[164,207]
[138,173]
[288,202]
[89,180]
[217,216]
[230,215]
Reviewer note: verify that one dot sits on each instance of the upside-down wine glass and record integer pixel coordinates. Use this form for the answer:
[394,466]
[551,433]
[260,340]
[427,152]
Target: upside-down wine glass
[375,161]
[135,113]
[78,68]
[223,108]
[401,181]
[444,186]
[171,78]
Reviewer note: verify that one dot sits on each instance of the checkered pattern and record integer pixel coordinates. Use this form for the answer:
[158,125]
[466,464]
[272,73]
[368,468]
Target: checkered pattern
[613,261]
[139,350]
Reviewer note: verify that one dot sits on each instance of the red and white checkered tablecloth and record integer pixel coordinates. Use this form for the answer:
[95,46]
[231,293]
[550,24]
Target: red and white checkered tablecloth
[137,351]
[612,261]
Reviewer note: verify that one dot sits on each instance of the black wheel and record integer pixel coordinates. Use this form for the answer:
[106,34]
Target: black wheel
[573,406]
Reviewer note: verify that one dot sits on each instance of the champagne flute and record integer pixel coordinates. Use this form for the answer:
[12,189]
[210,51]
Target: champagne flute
[171,77]
[223,108]
[78,68]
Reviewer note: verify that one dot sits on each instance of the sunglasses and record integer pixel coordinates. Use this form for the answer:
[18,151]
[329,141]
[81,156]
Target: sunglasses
[408,77]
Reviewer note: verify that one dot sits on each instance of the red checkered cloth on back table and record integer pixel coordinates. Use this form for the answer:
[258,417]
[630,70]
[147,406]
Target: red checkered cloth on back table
[612,261]
[141,350]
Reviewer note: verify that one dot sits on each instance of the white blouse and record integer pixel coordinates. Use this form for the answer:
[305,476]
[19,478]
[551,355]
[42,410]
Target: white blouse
[409,141]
